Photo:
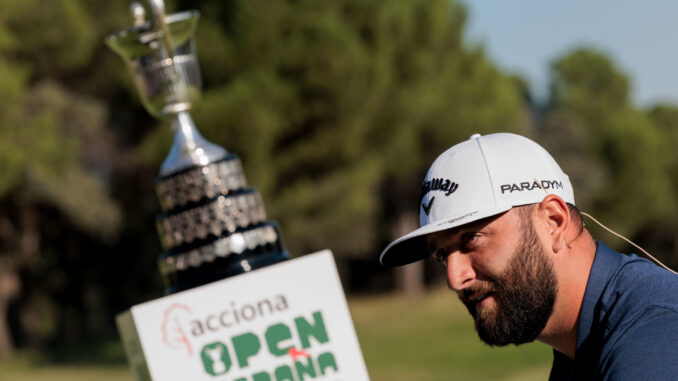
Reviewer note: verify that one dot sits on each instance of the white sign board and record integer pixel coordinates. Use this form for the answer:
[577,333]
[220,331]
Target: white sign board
[285,322]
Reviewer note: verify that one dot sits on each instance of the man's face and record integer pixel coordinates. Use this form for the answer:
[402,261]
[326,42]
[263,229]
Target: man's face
[512,301]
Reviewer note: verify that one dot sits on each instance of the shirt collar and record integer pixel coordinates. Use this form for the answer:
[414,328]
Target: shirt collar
[604,266]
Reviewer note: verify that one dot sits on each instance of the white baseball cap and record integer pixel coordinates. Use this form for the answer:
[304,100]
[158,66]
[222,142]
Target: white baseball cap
[478,178]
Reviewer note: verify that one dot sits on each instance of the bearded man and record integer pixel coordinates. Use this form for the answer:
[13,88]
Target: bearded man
[499,213]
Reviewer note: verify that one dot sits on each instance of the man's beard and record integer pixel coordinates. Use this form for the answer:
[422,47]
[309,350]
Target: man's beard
[524,295]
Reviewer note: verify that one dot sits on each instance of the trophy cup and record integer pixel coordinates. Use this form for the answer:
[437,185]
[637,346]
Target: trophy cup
[212,225]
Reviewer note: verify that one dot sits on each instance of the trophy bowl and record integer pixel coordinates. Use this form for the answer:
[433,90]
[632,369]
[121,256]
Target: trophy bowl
[163,62]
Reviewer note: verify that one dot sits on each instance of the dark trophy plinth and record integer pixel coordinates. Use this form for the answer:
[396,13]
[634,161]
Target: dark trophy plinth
[213,225]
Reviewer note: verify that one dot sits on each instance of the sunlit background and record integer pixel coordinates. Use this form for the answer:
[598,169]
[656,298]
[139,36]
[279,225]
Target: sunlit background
[336,109]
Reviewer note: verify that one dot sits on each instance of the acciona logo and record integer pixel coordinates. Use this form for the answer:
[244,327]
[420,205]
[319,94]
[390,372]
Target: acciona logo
[298,345]
[179,325]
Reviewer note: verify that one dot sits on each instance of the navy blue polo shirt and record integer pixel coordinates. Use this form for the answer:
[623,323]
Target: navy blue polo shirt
[628,323]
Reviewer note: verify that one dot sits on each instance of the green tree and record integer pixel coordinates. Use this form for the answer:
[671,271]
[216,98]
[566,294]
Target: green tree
[50,152]
[659,236]
[614,152]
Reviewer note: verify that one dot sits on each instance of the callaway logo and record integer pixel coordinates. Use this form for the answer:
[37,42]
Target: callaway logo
[528,186]
[440,184]
[436,184]
[427,208]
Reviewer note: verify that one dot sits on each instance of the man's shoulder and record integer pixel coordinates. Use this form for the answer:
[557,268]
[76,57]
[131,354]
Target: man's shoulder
[633,287]
[639,313]
[647,349]
[638,290]
[629,302]
[638,283]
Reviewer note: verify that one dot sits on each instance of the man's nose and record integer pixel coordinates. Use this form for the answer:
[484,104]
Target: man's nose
[460,272]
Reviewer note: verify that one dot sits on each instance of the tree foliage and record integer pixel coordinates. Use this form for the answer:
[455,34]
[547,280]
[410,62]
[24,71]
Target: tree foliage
[51,164]
[615,153]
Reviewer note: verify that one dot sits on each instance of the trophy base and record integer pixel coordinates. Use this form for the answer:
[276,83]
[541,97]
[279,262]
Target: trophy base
[235,253]
[245,265]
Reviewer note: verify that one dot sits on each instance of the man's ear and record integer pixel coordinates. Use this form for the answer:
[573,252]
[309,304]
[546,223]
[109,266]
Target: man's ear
[556,215]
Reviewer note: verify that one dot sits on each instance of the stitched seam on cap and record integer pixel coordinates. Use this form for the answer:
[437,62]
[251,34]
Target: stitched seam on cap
[487,168]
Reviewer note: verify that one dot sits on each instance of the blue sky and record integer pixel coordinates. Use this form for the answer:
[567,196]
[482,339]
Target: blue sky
[524,36]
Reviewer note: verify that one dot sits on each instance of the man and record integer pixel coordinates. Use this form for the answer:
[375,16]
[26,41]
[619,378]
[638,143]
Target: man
[499,213]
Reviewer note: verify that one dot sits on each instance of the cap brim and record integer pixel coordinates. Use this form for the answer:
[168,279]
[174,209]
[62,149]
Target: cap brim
[412,246]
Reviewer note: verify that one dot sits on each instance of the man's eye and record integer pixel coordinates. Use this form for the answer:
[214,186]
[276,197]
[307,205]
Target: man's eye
[440,255]
[467,240]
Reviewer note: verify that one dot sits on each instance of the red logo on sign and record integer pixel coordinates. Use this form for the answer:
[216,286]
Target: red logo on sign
[296,353]
[172,334]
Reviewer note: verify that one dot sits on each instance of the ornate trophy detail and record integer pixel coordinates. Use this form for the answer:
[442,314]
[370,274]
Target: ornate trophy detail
[213,225]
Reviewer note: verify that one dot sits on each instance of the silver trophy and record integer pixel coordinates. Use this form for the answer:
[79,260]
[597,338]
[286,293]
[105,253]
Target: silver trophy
[213,225]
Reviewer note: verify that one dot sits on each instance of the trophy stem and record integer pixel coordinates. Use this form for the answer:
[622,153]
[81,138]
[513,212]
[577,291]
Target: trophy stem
[189,148]
[183,122]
